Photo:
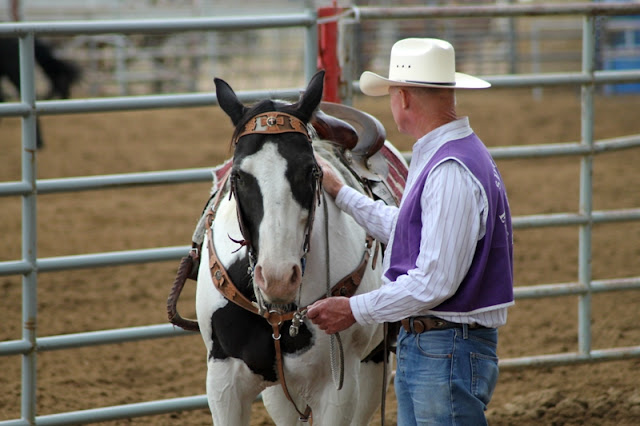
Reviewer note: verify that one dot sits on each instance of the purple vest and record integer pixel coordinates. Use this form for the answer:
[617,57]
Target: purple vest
[489,281]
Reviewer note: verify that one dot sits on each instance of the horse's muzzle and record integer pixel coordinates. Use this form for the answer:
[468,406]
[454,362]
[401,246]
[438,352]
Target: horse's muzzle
[279,285]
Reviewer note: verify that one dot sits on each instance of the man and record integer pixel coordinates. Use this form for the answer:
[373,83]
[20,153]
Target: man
[448,269]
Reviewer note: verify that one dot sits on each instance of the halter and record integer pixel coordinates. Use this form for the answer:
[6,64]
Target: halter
[272,123]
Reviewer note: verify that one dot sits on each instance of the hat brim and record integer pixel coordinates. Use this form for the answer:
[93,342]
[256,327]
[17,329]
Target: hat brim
[373,84]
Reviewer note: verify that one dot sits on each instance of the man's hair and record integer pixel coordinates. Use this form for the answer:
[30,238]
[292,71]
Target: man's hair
[430,91]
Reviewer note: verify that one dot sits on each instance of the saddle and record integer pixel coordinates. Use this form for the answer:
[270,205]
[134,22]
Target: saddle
[360,141]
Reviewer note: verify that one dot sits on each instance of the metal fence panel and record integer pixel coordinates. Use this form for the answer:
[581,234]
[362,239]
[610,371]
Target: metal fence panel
[28,187]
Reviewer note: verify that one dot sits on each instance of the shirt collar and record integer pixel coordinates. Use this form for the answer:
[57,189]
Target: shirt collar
[429,143]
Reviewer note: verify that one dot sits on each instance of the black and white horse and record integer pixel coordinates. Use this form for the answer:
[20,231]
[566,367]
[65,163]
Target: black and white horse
[61,74]
[268,253]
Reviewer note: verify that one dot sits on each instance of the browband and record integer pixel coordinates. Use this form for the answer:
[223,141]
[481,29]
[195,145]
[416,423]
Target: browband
[272,123]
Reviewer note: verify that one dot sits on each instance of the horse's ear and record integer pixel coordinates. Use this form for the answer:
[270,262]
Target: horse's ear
[312,96]
[228,101]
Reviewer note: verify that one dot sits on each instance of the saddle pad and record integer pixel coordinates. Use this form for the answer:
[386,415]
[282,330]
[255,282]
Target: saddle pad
[396,179]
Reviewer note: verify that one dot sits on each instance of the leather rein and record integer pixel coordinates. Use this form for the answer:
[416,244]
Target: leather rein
[275,123]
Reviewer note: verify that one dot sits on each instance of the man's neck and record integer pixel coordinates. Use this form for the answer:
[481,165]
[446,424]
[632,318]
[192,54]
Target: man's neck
[430,122]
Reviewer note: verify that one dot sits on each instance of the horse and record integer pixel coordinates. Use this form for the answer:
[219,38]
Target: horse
[273,245]
[61,74]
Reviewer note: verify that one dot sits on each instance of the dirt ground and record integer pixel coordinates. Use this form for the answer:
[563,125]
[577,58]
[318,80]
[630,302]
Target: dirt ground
[606,393]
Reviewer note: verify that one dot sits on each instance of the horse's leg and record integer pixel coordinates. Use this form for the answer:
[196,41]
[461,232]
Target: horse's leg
[39,140]
[62,74]
[337,407]
[231,385]
[231,389]
[280,408]
[371,378]
[13,74]
[330,405]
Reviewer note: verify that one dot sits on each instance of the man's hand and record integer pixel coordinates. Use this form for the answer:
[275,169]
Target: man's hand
[332,314]
[330,181]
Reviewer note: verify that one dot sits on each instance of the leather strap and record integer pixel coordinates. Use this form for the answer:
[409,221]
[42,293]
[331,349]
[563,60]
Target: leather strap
[186,265]
[349,284]
[273,122]
[423,324]
[304,416]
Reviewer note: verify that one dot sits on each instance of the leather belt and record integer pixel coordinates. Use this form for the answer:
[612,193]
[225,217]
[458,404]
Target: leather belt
[421,324]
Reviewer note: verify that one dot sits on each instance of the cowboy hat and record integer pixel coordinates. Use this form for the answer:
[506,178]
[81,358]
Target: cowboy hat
[420,62]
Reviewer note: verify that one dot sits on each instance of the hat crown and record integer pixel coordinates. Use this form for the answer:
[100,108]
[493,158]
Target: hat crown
[424,60]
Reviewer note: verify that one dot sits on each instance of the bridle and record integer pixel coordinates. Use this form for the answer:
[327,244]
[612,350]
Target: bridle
[276,123]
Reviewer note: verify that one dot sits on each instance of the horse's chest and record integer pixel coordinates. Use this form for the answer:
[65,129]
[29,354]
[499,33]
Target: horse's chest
[241,334]
[246,336]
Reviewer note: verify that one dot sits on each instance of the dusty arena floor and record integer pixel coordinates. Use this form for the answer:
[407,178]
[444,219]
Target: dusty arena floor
[606,393]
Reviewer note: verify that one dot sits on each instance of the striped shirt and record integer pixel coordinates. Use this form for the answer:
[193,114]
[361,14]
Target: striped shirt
[454,218]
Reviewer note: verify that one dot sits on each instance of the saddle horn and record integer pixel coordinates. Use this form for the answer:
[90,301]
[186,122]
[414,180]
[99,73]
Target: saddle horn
[355,130]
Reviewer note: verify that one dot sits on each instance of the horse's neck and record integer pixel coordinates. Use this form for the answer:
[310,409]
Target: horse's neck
[336,236]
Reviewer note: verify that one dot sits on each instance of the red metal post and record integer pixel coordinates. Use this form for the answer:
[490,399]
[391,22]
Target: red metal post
[328,53]
[16,10]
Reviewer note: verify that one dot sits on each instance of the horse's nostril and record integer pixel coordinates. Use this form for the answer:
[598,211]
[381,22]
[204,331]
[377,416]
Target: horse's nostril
[258,277]
[296,275]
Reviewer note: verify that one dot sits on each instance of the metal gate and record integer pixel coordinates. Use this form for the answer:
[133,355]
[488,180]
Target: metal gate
[29,187]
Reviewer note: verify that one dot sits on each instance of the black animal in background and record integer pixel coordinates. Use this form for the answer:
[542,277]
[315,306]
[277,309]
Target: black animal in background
[60,73]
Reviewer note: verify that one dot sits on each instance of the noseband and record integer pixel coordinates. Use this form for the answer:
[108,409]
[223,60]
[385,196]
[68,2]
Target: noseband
[272,123]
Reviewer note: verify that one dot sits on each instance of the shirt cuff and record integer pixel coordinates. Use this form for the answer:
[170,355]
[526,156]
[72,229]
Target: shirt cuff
[359,309]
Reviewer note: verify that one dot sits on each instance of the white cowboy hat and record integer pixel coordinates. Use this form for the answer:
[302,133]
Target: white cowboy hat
[420,62]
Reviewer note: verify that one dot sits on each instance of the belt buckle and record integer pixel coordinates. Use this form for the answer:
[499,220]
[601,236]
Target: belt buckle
[411,328]
[421,326]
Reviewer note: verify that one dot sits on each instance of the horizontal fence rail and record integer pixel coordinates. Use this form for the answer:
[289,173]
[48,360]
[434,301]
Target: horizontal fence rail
[29,187]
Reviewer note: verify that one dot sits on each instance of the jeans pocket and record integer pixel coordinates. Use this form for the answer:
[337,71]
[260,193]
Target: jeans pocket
[436,344]
[484,376]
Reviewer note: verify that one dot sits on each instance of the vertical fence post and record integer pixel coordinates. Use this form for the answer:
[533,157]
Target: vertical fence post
[327,53]
[347,51]
[586,186]
[29,226]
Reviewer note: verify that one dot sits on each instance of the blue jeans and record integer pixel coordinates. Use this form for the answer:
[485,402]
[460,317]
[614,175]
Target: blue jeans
[445,377]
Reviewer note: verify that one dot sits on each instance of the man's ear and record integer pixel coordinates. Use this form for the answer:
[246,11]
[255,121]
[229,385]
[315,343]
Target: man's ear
[405,98]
